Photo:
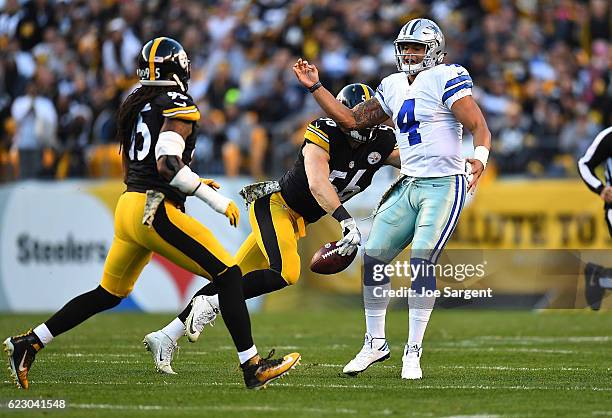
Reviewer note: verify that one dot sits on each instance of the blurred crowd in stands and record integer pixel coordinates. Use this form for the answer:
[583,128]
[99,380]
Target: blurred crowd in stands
[542,73]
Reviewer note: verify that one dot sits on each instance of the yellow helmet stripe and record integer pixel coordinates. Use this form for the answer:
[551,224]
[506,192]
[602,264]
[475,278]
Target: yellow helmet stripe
[152,57]
[366,91]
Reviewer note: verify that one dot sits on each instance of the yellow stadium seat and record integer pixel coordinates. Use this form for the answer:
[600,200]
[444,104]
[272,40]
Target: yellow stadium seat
[105,161]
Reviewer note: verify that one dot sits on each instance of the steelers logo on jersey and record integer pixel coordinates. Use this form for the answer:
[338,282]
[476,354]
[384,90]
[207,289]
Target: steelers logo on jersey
[374,157]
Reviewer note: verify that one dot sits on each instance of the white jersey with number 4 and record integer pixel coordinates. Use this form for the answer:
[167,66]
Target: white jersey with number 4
[428,135]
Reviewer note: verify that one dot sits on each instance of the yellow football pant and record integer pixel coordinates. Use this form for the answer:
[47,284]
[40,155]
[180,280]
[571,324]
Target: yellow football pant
[174,235]
[272,243]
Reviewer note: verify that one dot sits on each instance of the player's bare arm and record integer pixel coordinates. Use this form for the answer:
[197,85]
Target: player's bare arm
[369,113]
[316,163]
[394,159]
[169,165]
[366,115]
[606,194]
[469,114]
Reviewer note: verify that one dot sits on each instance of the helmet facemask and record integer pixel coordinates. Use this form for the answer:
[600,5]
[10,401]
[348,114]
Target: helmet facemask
[412,69]
[184,62]
[424,32]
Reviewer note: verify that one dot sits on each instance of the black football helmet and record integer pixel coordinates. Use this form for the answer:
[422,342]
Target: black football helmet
[350,96]
[163,62]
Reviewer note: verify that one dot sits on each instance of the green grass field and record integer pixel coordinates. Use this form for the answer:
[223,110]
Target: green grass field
[475,363]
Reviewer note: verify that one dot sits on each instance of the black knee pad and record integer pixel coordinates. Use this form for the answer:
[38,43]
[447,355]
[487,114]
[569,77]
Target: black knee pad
[275,280]
[230,277]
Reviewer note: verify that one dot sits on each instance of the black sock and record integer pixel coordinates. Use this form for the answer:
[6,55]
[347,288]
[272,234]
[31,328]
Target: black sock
[233,308]
[80,309]
[210,289]
[254,284]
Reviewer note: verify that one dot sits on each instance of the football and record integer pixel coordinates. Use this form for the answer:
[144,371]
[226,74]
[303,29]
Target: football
[327,260]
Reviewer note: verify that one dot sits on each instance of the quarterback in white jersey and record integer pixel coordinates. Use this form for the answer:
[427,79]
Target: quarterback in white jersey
[427,132]
[429,103]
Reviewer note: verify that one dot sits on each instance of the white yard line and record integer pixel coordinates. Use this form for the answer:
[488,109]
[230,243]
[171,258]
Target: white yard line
[510,368]
[473,416]
[336,347]
[591,339]
[102,358]
[94,354]
[412,385]
[104,361]
[529,369]
[254,408]
[511,350]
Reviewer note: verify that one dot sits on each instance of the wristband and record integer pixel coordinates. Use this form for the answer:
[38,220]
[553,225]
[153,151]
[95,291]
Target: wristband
[481,153]
[341,214]
[315,86]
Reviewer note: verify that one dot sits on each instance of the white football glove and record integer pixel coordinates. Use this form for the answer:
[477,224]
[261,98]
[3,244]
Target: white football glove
[468,172]
[351,237]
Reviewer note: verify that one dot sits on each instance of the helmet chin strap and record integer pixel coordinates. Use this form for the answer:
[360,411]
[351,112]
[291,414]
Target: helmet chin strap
[416,68]
[413,69]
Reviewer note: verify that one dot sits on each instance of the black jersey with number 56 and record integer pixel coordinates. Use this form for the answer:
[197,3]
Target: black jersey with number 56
[142,172]
[350,169]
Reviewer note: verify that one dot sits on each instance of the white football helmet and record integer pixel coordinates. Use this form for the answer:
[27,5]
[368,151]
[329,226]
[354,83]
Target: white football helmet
[421,31]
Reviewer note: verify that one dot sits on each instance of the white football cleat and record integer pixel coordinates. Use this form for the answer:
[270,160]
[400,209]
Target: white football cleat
[373,351]
[411,368]
[162,349]
[203,312]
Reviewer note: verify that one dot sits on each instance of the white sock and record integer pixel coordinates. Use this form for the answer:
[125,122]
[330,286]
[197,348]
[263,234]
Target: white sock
[246,355]
[375,322]
[214,300]
[417,322]
[605,282]
[174,330]
[43,334]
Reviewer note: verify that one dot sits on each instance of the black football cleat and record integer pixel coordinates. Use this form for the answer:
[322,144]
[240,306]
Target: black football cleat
[258,372]
[21,351]
[592,290]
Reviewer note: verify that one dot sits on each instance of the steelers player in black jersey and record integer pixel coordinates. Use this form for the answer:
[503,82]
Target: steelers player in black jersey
[332,166]
[156,128]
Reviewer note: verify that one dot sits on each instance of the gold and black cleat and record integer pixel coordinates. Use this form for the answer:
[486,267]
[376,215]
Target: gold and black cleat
[259,372]
[21,351]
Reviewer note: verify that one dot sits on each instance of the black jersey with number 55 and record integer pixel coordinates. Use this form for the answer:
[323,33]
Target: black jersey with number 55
[350,169]
[142,172]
